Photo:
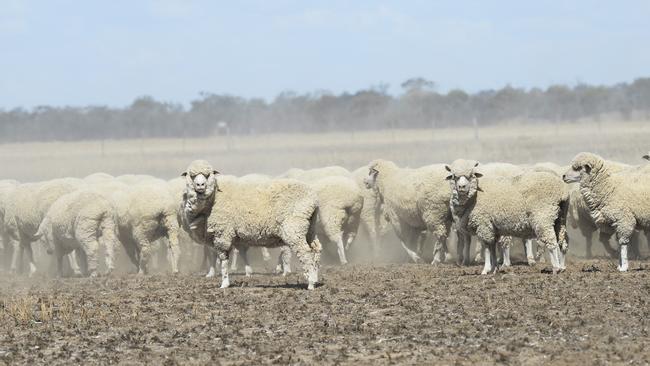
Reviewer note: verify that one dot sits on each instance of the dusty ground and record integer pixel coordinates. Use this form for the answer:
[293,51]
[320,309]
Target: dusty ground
[362,314]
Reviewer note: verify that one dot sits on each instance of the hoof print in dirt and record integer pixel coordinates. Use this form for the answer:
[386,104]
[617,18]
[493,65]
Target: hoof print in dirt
[590,268]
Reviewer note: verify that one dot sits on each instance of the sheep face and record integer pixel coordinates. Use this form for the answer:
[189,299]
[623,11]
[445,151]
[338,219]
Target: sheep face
[463,180]
[371,180]
[46,240]
[582,168]
[201,178]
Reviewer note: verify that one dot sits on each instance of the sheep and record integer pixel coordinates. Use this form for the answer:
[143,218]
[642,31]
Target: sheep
[7,187]
[340,203]
[312,175]
[580,218]
[414,200]
[529,205]
[372,219]
[82,221]
[146,213]
[98,178]
[618,202]
[24,212]
[273,214]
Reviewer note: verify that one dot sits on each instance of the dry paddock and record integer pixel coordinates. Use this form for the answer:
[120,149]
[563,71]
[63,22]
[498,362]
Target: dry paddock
[361,314]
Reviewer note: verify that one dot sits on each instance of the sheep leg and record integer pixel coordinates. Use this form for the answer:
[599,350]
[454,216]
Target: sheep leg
[91,249]
[478,257]
[108,240]
[59,264]
[285,260]
[243,252]
[234,255]
[530,255]
[30,258]
[211,258]
[505,242]
[144,244]
[266,256]
[467,241]
[16,257]
[623,235]
[489,250]
[294,234]
[408,236]
[460,250]
[74,264]
[340,246]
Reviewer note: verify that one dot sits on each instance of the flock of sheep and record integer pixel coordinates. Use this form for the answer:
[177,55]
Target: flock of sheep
[73,218]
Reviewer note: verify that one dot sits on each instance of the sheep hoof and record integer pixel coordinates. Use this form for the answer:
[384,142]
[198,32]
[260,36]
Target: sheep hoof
[622,268]
[531,262]
[310,286]
[210,273]
[93,274]
[225,284]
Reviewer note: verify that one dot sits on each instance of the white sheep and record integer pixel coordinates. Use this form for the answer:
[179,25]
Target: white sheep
[147,212]
[618,202]
[340,202]
[413,200]
[98,178]
[7,187]
[80,221]
[531,205]
[25,210]
[280,212]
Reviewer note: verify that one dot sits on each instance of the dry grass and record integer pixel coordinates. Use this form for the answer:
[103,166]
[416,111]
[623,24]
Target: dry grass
[274,153]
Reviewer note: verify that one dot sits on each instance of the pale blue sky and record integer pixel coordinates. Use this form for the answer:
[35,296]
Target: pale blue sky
[109,52]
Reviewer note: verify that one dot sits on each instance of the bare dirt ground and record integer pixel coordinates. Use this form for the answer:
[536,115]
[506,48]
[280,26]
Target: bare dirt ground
[362,314]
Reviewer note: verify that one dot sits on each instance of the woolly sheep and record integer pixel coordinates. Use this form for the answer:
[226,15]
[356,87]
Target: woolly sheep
[529,205]
[413,200]
[312,175]
[7,187]
[25,210]
[617,202]
[80,221]
[98,178]
[146,213]
[280,212]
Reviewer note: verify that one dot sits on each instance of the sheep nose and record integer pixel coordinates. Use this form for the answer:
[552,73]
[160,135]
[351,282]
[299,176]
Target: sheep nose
[563,176]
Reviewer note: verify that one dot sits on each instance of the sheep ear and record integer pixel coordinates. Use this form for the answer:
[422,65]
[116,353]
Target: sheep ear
[448,168]
[449,177]
[478,175]
[587,168]
[215,172]
[646,156]
[183,174]
[475,165]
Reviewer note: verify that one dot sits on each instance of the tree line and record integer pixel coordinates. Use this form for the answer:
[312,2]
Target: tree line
[420,105]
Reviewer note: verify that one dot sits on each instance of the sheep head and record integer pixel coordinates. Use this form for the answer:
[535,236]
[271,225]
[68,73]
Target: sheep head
[44,236]
[201,178]
[463,179]
[583,167]
[373,171]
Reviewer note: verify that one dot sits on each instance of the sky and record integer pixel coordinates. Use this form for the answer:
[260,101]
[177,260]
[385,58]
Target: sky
[79,53]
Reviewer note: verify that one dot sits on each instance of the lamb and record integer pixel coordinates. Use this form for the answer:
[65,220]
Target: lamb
[145,213]
[273,214]
[531,205]
[618,202]
[24,212]
[81,221]
[413,200]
